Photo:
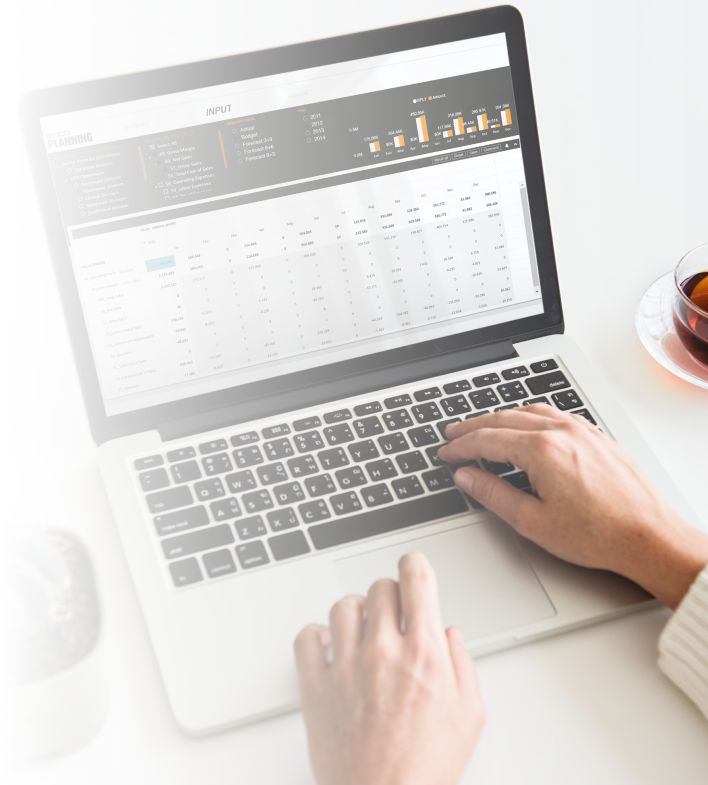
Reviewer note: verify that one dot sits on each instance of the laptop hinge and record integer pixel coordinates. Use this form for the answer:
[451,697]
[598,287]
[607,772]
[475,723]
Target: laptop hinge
[336,389]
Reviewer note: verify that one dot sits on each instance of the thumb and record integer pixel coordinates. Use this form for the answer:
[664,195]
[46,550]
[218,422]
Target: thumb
[495,494]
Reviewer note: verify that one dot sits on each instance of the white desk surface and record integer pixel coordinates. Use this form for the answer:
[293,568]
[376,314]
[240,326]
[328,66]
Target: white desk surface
[618,86]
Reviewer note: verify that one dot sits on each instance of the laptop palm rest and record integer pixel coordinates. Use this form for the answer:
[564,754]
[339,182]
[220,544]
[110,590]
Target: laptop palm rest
[486,583]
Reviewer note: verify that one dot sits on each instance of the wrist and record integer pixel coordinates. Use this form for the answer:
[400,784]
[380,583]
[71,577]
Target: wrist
[668,560]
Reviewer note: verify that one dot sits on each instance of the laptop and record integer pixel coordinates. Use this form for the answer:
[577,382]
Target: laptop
[284,273]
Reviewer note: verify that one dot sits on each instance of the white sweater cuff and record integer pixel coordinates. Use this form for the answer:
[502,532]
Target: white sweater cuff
[683,646]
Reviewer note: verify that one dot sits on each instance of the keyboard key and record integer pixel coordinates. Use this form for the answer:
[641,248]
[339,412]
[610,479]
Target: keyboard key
[456,405]
[421,436]
[547,382]
[509,406]
[376,495]
[381,470]
[338,416]
[544,365]
[345,502]
[225,509]
[319,485]
[541,399]
[388,519]
[432,453]
[219,563]
[150,462]
[438,479]
[247,456]
[257,501]
[567,399]
[455,387]
[397,420]
[514,391]
[280,520]
[307,423]
[339,434]
[216,446]
[406,487]
[497,468]
[367,408]
[185,572]
[242,439]
[369,426]
[397,401]
[217,464]
[442,425]
[515,373]
[306,442]
[280,448]
[249,528]
[363,451]
[518,479]
[300,467]
[350,478]
[586,414]
[252,554]
[396,442]
[483,399]
[209,489]
[411,462]
[173,522]
[162,501]
[201,540]
[288,545]
[426,412]
[474,414]
[427,395]
[186,472]
[275,430]
[314,511]
[333,459]
[273,473]
[241,481]
[289,493]
[154,480]
[486,380]
[181,454]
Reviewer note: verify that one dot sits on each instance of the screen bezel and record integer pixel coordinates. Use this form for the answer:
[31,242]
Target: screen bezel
[113,90]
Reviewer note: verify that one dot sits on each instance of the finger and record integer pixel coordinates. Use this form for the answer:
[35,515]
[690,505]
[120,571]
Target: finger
[494,444]
[499,496]
[310,658]
[537,416]
[420,605]
[346,622]
[383,610]
[463,665]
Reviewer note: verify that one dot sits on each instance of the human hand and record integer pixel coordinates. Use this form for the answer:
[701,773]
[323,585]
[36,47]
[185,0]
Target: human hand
[592,505]
[397,703]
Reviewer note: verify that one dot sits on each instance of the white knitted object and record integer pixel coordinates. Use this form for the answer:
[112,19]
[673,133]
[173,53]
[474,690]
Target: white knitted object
[683,646]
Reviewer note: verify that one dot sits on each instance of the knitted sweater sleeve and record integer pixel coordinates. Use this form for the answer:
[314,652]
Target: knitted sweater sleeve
[683,646]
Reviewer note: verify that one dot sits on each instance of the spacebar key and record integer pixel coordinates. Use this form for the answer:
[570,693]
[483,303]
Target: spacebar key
[387,519]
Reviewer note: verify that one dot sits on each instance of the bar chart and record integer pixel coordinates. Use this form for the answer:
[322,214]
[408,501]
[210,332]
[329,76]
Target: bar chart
[459,124]
[375,147]
[506,117]
[399,141]
[422,127]
[482,122]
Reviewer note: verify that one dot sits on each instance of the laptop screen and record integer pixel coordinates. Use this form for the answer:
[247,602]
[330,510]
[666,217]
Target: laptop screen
[238,232]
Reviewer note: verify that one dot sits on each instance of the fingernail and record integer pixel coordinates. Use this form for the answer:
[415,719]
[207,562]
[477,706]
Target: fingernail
[457,635]
[464,481]
[450,429]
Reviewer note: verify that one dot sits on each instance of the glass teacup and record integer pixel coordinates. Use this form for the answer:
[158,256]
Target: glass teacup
[691,302]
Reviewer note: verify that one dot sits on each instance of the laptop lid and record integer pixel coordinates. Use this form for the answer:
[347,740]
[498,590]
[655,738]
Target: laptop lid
[251,234]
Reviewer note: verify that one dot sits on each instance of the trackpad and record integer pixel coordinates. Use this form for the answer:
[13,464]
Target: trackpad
[486,584]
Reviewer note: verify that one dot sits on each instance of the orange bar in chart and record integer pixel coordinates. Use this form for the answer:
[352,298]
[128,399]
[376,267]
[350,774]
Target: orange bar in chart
[506,117]
[447,133]
[496,126]
[375,147]
[422,127]
[459,124]
[482,122]
[472,129]
[399,141]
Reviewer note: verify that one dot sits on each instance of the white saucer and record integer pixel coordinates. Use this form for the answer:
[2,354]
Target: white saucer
[655,325]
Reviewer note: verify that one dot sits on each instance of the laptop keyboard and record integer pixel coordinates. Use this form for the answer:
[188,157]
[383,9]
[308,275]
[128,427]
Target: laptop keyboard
[256,497]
